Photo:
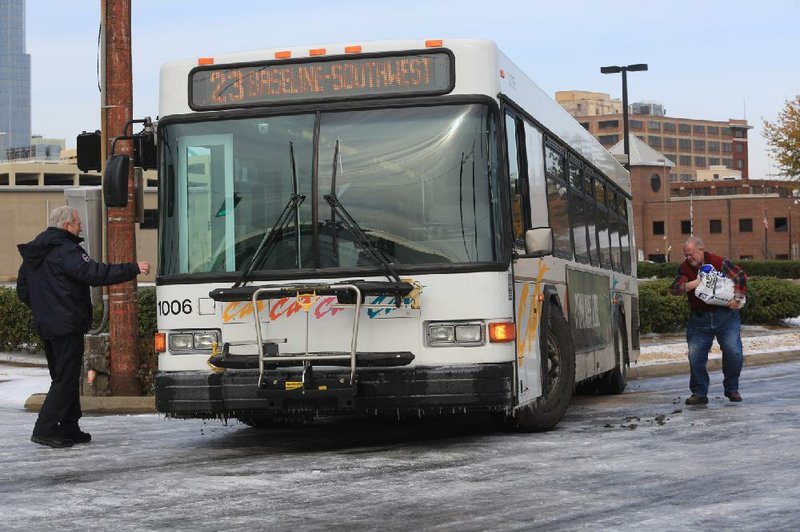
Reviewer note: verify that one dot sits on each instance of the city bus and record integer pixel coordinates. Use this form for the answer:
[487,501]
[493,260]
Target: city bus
[403,228]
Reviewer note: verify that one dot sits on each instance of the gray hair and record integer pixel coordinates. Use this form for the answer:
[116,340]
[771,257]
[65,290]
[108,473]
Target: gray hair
[61,215]
[696,241]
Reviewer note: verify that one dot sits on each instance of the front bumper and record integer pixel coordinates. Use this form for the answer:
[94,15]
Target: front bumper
[419,390]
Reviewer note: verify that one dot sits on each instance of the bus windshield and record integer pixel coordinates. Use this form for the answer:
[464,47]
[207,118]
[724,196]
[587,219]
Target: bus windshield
[421,182]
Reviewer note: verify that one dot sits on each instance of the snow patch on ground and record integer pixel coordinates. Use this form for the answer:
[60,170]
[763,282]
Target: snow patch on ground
[18,383]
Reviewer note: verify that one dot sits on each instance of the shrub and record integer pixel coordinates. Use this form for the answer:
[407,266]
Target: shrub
[783,269]
[769,300]
[16,324]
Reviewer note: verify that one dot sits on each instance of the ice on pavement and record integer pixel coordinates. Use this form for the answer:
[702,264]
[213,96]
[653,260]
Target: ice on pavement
[18,383]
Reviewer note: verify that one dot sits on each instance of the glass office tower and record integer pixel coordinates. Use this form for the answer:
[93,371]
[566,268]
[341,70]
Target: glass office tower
[15,78]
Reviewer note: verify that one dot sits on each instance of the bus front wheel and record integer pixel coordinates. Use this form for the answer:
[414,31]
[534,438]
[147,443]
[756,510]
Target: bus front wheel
[558,381]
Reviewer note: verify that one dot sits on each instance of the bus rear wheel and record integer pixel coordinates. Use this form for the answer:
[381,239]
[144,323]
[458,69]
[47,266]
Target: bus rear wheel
[558,383]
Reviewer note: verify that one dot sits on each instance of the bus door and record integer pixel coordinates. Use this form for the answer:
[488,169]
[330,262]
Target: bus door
[589,319]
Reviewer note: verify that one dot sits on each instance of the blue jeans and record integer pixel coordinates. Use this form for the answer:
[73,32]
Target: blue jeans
[700,332]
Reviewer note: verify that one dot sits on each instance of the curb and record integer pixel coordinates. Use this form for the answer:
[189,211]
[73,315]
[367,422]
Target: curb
[714,364]
[102,405]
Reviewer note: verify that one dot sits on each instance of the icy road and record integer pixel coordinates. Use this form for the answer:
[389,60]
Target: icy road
[640,461]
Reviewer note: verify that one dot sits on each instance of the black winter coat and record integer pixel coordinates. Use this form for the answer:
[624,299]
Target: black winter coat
[54,282]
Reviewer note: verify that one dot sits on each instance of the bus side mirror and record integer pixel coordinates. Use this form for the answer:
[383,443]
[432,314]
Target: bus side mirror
[145,153]
[115,181]
[539,242]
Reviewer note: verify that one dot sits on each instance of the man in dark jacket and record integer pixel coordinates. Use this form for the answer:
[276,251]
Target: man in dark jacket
[707,322]
[54,282]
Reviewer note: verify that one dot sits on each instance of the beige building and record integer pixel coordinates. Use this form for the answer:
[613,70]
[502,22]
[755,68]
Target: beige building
[585,103]
[29,190]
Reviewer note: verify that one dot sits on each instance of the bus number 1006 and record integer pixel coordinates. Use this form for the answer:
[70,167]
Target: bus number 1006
[174,307]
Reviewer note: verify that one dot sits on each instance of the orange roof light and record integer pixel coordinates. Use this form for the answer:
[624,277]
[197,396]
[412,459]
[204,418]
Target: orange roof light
[502,332]
[161,342]
[317,51]
[285,54]
[205,60]
[434,43]
[355,49]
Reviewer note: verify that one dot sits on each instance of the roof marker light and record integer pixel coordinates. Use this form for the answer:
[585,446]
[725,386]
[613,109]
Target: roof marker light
[434,43]
[205,60]
[285,54]
[355,49]
[317,51]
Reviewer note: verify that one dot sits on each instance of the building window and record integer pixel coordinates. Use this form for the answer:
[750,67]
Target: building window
[727,147]
[699,145]
[739,147]
[658,228]
[713,161]
[608,124]
[585,125]
[740,164]
[685,144]
[727,162]
[745,257]
[740,134]
[713,147]
[726,131]
[150,219]
[672,157]
[686,227]
[713,130]
[780,256]
[699,130]
[669,127]
[635,124]
[608,139]
[684,128]
[700,161]
[685,160]
[670,142]
[745,225]
[653,126]
[655,182]
[715,226]
[653,141]
[781,225]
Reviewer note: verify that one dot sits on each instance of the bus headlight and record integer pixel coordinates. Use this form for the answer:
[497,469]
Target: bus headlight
[443,334]
[191,341]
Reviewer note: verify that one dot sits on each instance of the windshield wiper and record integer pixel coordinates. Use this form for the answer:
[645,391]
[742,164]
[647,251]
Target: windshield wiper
[290,211]
[360,236]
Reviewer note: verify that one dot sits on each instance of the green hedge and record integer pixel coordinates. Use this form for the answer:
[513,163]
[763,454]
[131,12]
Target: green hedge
[769,300]
[783,269]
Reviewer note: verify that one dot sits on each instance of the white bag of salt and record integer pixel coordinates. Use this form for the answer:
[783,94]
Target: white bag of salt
[714,288]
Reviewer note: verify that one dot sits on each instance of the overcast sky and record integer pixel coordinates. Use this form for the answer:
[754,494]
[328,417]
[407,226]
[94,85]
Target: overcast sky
[709,59]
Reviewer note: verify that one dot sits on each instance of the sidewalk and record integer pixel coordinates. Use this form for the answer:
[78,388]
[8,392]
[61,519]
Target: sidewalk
[660,357]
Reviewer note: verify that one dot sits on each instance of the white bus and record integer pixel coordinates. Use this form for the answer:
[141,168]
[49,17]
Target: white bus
[400,227]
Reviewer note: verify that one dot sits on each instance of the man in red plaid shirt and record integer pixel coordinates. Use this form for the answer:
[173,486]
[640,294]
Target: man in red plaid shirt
[709,321]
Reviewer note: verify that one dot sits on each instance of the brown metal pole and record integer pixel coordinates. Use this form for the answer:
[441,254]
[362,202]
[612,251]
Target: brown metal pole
[118,109]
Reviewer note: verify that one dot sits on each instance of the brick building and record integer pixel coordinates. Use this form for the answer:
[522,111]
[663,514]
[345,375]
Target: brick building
[691,144]
[736,217]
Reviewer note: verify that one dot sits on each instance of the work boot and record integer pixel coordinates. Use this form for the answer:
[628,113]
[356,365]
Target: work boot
[52,441]
[735,397]
[697,400]
[77,435]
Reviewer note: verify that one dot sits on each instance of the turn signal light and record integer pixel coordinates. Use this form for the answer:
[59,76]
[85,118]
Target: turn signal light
[502,332]
[317,51]
[161,342]
[205,60]
[434,43]
[355,49]
[285,54]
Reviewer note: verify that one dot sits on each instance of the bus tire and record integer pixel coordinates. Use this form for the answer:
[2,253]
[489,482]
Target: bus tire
[613,382]
[545,412]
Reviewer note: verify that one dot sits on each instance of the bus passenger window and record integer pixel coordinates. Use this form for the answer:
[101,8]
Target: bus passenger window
[579,219]
[557,206]
[515,184]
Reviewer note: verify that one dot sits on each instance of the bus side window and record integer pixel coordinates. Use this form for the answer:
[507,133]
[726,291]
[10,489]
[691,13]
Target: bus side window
[558,208]
[516,185]
[591,216]
[579,211]
[603,233]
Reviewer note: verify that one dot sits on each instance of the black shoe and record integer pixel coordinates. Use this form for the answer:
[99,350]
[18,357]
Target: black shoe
[697,400]
[52,441]
[735,397]
[78,436]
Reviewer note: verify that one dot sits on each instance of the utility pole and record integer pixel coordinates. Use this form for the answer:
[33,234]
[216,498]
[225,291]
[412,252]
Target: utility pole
[117,110]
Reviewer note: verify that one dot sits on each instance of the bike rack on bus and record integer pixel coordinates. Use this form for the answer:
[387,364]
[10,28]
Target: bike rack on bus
[268,347]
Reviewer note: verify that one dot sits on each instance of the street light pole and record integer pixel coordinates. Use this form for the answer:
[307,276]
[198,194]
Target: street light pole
[625,69]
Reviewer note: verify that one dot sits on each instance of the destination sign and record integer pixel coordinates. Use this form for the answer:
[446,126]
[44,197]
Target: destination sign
[249,84]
